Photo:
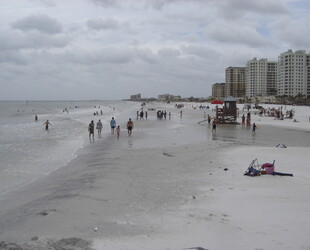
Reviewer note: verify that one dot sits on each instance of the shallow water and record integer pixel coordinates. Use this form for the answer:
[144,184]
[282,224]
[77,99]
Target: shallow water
[265,136]
[28,151]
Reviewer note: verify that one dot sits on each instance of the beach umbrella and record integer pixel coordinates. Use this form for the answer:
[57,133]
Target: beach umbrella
[216,102]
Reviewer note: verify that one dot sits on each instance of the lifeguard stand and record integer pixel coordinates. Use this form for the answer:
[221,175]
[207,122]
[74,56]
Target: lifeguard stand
[227,114]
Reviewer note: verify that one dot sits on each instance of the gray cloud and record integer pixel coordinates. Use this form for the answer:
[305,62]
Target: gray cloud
[168,52]
[15,40]
[238,9]
[41,23]
[103,24]
[294,33]
[235,33]
[201,51]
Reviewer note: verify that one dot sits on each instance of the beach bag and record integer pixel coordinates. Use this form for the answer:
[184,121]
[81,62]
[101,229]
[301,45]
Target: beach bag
[269,168]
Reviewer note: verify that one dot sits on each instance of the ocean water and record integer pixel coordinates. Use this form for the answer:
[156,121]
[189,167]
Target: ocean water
[28,151]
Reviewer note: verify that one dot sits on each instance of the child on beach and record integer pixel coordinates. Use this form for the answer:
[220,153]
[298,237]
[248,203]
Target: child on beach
[254,127]
[118,131]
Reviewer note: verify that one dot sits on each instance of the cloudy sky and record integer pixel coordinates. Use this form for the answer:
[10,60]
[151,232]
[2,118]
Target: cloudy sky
[110,49]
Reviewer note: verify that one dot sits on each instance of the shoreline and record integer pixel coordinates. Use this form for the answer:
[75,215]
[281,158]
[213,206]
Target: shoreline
[122,194]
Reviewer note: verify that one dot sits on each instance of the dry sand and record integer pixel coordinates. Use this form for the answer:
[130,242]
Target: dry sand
[165,187]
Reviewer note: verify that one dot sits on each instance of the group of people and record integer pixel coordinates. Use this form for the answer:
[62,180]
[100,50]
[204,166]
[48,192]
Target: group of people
[99,126]
[161,114]
[141,114]
[246,120]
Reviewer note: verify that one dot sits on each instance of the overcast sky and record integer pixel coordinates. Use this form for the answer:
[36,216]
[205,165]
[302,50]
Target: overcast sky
[110,49]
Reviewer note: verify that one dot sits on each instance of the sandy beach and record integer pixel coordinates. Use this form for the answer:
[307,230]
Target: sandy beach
[172,185]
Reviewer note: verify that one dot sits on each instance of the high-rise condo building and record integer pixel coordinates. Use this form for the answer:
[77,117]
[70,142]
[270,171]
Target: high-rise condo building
[218,90]
[235,81]
[260,78]
[272,78]
[293,73]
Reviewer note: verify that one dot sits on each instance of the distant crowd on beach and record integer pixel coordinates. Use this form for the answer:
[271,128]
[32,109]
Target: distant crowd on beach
[161,114]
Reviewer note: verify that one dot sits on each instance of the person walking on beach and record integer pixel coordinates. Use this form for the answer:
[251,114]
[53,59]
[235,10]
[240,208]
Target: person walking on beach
[254,127]
[99,127]
[36,118]
[91,128]
[214,126]
[113,125]
[46,124]
[129,126]
[118,131]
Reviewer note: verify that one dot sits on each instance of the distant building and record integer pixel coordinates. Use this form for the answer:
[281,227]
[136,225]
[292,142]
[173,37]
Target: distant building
[294,73]
[272,78]
[235,81]
[218,90]
[260,78]
[168,97]
[136,97]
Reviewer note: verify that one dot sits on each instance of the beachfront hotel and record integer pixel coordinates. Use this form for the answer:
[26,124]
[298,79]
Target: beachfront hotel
[289,76]
[218,90]
[261,77]
[294,73]
[235,81]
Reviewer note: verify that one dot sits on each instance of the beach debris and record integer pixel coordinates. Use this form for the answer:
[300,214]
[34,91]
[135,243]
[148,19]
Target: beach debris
[194,197]
[96,229]
[46,212]
[169,155]
[255,169]
[225,169]
[281,146]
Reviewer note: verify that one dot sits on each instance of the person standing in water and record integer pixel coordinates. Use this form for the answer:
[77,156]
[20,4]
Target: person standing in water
[129,126]
[243,120]
[209,119]
[254,127]
[46,124]
[91,128]
[113,125]
[118,131]
[214,125]
[99,127]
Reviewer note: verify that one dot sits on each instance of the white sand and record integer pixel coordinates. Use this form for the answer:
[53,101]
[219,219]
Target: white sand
[165,188]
